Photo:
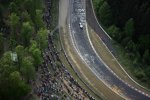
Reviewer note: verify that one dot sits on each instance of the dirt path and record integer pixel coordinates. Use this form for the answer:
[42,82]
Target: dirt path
[63,6]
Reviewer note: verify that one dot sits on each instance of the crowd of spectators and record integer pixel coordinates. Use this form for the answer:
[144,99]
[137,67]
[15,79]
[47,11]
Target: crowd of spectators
[53,81]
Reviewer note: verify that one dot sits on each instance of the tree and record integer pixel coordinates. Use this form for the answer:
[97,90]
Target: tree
[21,89]
[42,38]
[37,56]
[26,31]
[6,59]
[13,7]
[144,42]
[105,14]
[20,54]
[14,22]
[28,69]
[29,5]
[20,51]
[129,28]
[1,43]
[36,53]
[18,2]
[25,17]
[139,73]
[38,4]
[146,56]
[131,46]
[39,19]
[97,4]
[10,83]
[1,9]
[14,26]
[10,80]
[147,71]
[115,32]
[33,46]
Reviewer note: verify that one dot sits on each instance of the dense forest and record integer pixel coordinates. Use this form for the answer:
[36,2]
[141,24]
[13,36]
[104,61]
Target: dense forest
[22,38]
[128,23]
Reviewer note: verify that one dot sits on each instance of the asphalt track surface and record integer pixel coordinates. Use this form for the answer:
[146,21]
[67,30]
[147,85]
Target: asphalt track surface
[83,47]
[93,23]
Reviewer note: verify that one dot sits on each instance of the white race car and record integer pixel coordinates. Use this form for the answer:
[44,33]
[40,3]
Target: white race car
[81,26]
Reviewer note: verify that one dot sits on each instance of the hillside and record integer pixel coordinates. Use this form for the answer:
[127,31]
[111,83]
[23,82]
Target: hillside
[128,23]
